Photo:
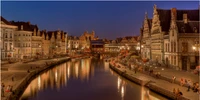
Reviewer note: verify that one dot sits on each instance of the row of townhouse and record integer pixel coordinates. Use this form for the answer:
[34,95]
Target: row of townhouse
[123,43]
[172,37]
[22,40]
[88,42]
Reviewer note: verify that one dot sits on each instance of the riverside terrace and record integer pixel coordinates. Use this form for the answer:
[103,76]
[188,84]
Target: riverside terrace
[165,78]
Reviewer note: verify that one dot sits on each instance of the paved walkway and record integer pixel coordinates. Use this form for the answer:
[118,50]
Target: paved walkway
[161,83]
[168,72]
[19,72]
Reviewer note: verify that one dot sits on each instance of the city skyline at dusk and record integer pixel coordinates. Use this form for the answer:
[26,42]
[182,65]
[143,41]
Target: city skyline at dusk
[108,19]
[114,50]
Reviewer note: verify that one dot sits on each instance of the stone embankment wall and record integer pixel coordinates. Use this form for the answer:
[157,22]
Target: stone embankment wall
[150,85]
[19,90]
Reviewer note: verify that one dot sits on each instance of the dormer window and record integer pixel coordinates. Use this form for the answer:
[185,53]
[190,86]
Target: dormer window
[183,29]
[195,30]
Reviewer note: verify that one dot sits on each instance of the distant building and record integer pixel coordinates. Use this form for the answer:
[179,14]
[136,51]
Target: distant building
[85,39]
[46,43]
[23,40]
[97,46]
[128,42]
[7,39]
[73,44]
[54,42]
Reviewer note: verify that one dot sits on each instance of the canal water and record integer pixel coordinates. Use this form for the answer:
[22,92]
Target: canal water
[86,79]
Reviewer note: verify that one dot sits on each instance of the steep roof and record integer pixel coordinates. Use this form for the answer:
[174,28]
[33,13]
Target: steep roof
[5,21]
[192,15]
[188,27]
[73,37]
[118,40]
[128,37]
[165,17]
[26,26]
[136,38]
[149,23]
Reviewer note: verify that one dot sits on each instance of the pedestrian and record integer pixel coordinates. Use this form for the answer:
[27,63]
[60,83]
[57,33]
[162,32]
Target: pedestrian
[173,79]
[177,92]
[182,82]
[174,91]
[2,84]
[135,70]
[2,90]
[8,88]
[188,85]
[11,88]
[12,78]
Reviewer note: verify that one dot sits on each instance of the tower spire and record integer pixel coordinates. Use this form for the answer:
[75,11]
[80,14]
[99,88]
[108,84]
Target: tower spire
[146,15]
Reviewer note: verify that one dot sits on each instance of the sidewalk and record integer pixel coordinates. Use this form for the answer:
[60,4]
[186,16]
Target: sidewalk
[169,73]
[162,83]
[19,72]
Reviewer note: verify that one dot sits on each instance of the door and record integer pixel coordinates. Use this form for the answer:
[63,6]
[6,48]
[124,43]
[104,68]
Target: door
[184,62]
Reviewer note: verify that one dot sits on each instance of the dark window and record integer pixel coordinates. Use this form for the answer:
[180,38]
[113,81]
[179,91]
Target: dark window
[90,38]
[183,29]
[10,35]
[6,36]
[184,47]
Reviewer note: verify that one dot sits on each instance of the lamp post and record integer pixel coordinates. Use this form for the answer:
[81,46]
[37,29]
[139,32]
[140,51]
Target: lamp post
[194,48]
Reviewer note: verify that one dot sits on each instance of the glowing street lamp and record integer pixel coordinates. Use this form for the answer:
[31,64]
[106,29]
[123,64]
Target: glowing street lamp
[194,48]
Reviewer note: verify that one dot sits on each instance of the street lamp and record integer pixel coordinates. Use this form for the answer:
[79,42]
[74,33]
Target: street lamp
[194,48]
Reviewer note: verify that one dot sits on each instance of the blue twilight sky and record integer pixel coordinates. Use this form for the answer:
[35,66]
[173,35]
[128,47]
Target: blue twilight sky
[108,19]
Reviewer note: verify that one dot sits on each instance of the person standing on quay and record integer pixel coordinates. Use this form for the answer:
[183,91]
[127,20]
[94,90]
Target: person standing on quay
[135,70]
[2,89]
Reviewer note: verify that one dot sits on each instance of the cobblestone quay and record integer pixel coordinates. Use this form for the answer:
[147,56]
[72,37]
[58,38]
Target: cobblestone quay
[159,86]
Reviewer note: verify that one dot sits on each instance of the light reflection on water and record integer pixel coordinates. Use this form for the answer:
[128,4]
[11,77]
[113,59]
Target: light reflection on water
[85,80]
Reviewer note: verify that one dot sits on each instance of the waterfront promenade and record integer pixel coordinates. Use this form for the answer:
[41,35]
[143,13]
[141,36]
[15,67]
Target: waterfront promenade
[19,71]
[162,84]
[169,72]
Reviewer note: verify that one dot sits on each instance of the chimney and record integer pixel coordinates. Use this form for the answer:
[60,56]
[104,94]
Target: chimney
[173,13]
[21,27]
[38,32]
[34,32]
[28,23]
[185,19]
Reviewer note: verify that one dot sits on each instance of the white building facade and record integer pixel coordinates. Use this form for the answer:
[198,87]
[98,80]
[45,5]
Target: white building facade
[7,39]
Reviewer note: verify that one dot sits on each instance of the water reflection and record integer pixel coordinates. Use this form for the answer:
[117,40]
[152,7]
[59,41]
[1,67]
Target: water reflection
[58,77]
[121,87]
[85,78]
